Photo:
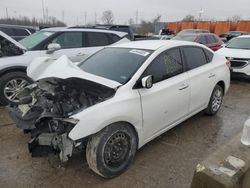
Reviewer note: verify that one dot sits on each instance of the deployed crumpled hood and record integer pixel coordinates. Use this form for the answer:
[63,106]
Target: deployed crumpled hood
[235,53]
[45,67]
[12,41]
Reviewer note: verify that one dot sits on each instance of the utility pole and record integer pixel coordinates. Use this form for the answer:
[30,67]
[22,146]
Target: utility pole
[43,11]
[47,14]
[95,18]
[136,17]
[85,18]
[7,13]
[63,15]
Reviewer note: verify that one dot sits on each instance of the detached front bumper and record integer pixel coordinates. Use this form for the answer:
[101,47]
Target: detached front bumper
[47,143]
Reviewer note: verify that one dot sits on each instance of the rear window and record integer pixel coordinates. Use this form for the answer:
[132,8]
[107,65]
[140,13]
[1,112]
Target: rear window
[210,39]
[190,38]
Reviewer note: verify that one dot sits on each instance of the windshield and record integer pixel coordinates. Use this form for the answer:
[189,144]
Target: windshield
[239,43]
[185,37]
[34,39]
[118,64]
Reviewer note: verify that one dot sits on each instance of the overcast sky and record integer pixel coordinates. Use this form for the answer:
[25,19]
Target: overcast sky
[171,10]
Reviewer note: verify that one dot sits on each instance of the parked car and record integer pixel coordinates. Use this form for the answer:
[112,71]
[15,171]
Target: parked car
[238,52]
[232,34]
[119,99]
[211,40]
[77,44]
[17,32]
[123,28]
[158,37]
[192,31]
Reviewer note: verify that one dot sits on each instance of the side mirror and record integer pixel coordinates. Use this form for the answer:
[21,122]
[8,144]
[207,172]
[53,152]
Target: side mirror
[147,82]
[53,47]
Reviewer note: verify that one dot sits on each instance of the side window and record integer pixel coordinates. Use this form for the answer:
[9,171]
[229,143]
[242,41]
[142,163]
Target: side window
[97,39]
[7,31]
[113,38]
[8,49]
[202,40]
[195,57]
[166,65]
[20,32]
[69,40]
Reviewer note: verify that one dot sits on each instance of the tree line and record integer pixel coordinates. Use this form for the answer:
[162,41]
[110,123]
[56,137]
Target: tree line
[34,22]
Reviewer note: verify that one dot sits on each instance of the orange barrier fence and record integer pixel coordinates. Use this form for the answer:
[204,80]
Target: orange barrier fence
[187,25]
[203,25]
[222,27]
[214,27]
[243,26]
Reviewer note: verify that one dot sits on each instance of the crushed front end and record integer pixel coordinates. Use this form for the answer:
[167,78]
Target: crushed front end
[45,110]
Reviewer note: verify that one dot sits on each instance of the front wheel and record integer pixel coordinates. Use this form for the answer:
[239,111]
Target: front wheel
[110,151]
[10,86]
[215,101]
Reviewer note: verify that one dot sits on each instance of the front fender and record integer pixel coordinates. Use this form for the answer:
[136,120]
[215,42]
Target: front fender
[95,118]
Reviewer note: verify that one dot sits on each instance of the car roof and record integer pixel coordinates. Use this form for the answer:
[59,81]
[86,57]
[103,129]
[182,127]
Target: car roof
[155,44]
[244,36]
[66,29]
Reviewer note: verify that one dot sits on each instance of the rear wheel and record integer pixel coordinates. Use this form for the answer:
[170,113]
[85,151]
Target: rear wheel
[110,151]
[215,101]
[10,86]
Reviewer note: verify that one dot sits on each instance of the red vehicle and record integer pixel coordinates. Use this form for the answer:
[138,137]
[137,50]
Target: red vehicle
[210,40]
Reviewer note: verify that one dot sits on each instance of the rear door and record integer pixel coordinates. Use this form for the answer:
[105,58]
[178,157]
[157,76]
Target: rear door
[201,75]
[168,100]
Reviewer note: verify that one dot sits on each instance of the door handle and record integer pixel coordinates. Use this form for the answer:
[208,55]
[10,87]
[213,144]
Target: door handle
[211,75]
[183,86]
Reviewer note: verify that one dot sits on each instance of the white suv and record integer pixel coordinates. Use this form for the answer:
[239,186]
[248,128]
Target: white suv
[119,99]
[76,43]
[237,51]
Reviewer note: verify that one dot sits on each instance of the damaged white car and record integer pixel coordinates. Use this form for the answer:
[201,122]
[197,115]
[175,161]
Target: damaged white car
[118,99]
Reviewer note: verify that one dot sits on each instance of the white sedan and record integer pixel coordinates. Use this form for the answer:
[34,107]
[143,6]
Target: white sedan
[119,99]
[237,51]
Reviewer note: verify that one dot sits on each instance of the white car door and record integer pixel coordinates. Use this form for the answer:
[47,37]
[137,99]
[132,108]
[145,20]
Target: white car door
[201,75]
[168,100]
[72,45]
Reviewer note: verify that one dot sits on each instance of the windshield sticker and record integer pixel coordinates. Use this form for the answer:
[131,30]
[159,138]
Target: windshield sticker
[139,52]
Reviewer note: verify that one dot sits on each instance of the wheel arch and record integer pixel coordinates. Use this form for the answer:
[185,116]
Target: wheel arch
[132,126]
[222,85]
[13,69]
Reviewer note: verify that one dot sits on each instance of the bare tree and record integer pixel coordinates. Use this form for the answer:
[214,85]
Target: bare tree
[50,22]
[234,18]
[189,18]
[108,17]
[148,26]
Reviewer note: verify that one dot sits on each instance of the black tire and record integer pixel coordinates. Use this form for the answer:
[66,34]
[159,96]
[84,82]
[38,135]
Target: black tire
[215,101]
[118,139]
[5,79]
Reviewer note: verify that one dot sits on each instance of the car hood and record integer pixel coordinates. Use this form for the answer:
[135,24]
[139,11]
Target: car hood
[12,41]
[45,67]
[235,53]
